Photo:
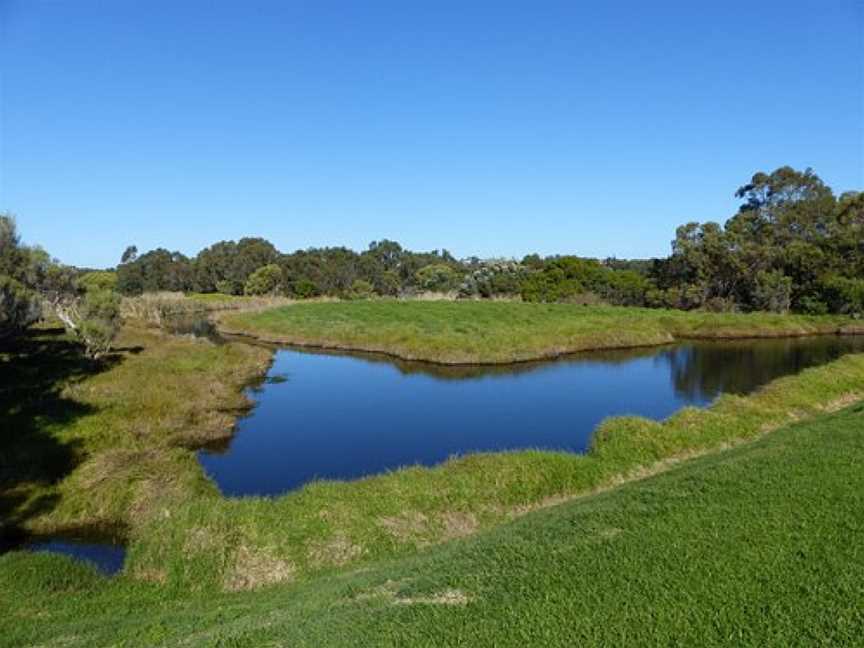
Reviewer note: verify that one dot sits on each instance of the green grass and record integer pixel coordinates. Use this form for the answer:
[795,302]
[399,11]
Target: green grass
[760,545]
[106,444]
[111,445]
[499,332]
[116,450]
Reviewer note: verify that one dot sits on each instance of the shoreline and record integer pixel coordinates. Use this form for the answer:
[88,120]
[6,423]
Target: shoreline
[285,341]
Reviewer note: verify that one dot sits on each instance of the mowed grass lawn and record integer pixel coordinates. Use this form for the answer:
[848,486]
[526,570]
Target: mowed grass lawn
[761,545]
[496,332]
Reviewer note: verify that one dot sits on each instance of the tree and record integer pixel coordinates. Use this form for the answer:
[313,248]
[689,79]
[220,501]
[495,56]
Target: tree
[18,307]
[129,254]
[154,271]
[266,280]
[773,292]
[19,302]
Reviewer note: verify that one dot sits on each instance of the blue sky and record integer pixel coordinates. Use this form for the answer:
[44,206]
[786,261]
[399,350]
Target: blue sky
[488,128]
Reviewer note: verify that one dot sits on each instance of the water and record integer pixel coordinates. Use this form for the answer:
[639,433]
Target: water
[106,557]
[331,416]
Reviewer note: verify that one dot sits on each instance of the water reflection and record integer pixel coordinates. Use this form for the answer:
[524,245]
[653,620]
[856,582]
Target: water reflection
[338,416]
[106,557]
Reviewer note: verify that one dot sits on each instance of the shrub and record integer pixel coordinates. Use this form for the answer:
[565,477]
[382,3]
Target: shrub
[266,280]
[772,292]
[843,294]
[19,307]
[360,289]
[492,278]
[305,289]
[438,277]
[229,287]
[94,319]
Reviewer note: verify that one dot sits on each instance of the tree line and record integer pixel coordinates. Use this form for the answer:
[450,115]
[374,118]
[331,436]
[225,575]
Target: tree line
[792,245]
[33,285]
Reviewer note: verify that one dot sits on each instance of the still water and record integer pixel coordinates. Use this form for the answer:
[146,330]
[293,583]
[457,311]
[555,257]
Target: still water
[106,557]
[332,416]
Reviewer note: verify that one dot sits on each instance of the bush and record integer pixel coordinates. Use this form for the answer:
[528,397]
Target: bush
[19,307]
[360,289]
[93,319]
[844,295]
[100,321]
[229,287]
[545,287]
[305,289]
[773,292]
[493,278]
[438,277]
[266,280]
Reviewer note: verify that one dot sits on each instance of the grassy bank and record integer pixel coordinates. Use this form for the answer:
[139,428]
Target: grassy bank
[500,332]
[115,442]
[105,444]
[759,545]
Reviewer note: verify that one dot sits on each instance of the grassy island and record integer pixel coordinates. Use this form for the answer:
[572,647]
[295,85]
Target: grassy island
[469,332]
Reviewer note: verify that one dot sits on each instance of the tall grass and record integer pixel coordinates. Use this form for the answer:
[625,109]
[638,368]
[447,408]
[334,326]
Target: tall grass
[500,332]
[133,425]
[760,545]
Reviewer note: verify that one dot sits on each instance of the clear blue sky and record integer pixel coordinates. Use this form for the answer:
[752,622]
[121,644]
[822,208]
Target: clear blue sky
[488,128]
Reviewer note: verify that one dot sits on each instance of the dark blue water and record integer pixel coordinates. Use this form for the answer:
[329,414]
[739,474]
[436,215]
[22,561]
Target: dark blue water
[107,558]
[327,416]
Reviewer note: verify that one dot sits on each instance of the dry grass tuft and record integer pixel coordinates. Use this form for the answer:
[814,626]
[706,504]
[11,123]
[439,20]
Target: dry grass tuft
[255,568]
[456,524]
[335,551]
[410,526]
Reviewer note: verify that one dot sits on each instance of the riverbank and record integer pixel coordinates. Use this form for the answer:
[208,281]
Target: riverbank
[473,332]
[717,547]
[115,447]
[98,446]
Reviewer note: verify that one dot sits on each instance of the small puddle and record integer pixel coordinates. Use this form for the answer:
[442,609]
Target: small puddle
[107,558]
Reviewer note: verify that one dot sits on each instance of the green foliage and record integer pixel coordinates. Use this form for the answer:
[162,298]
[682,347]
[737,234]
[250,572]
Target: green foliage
[304,289]
[98,280]
[157,270]
[549,287]
[772,292]
[789,228]
[360,289]
[19,307]
[785,249]
[844,294]
[493,278]
[266,280]
[21,269]
[438,277]
[98,321]
[229,287]
[571,279]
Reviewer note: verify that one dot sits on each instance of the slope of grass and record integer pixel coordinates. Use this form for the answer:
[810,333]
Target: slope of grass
[498,332]
[116,450]
[105,444]
[759,545]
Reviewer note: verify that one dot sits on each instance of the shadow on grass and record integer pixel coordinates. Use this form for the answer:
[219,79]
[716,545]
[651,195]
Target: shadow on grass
[34,369]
